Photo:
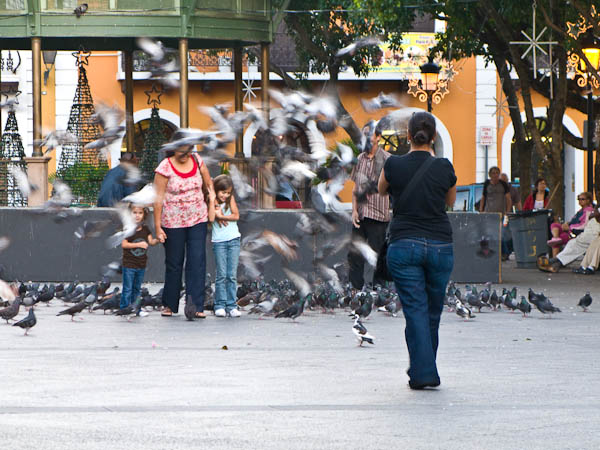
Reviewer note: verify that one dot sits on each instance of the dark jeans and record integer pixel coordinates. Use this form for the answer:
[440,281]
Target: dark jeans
[189,244]
[421,269]
[373,232]
[132,285]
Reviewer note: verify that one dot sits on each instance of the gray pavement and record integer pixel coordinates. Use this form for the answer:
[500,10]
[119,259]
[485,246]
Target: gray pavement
[508,382]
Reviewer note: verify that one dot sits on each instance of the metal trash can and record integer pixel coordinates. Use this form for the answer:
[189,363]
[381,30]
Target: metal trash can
[529,230]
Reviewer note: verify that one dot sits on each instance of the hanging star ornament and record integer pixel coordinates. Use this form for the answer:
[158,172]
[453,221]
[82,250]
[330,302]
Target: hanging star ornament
[534,42]
[574,63]
[153,96]
[249,89]
[449,72]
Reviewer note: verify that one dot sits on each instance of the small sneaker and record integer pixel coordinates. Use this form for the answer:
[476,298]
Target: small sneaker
[220,313]
[235,313]
[143,313]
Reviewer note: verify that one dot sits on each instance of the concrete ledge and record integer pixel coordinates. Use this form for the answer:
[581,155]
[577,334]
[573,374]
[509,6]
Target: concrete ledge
[43,248]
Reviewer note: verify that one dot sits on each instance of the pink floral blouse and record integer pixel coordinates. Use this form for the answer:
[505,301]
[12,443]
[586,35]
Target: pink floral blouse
[184,204]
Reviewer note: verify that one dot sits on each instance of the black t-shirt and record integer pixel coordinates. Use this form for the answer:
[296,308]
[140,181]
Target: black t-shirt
[424,211]
[136,258]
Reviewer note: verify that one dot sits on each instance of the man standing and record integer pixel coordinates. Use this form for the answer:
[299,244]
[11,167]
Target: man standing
[496,198]
[115,185]
[515,198]
[370,211]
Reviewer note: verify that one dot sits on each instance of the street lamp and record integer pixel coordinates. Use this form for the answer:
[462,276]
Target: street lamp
[430,73]
[591,50]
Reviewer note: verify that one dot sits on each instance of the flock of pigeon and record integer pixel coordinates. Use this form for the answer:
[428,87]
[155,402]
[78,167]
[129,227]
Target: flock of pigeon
[280,299]
[325,168]
[463,304]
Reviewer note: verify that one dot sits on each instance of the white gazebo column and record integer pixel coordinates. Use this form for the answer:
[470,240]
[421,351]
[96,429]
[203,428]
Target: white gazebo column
[484,110]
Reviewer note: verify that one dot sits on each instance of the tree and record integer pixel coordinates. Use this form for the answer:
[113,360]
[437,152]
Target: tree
[486,28]
[320,28]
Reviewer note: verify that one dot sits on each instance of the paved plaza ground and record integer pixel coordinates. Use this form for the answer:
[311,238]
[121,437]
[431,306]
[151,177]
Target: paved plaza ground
[508,382]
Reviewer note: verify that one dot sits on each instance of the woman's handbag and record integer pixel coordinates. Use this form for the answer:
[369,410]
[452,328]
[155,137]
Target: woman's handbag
[381,269]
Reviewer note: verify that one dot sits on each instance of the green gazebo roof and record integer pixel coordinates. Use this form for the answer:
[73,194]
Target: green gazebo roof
[115,24]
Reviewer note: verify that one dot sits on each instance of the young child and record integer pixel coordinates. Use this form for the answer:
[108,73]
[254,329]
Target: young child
[135,258]
[226,246]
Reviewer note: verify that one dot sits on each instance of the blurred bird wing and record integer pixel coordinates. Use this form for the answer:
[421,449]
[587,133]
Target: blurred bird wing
[145,196]
[301,284]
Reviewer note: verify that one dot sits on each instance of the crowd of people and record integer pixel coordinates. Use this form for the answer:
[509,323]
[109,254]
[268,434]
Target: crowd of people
[416,241]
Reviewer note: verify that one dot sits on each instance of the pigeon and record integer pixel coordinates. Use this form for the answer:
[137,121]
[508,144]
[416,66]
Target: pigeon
[46,296]
[145,196]
[543,304]
[27,322]
[264,307]
[463,311]
[81,10]
[190,309]
[133,309]
[111,303]
[358,44]
[380,102]
[10,312]
[585,301]
[524,306]
[4,243]
[55,139]
[75,309]
[361,333]
[23,183]
[293,311]
[494,300]
[91,229]
[365,309]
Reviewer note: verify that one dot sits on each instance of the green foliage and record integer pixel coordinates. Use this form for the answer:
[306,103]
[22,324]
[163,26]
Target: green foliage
[331,26]
[84,180]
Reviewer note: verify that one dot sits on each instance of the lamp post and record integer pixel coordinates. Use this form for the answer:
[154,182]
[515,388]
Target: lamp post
[591,50]
[430,73]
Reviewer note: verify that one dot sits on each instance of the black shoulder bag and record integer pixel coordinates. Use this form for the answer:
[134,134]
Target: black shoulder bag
[381,269]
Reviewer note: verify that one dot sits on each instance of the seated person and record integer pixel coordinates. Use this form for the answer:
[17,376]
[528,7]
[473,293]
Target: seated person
[575,248]
[539,198]
[591,260]
[561,233]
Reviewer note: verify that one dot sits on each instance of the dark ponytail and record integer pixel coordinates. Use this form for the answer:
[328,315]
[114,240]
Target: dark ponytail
[421,128]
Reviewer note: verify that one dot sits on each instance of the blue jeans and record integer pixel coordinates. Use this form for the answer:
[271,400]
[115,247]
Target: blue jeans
[132,285]
[187,244]
[421,269]
[226,258]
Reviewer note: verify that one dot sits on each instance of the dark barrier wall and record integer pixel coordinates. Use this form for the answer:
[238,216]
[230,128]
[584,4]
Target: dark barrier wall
[45,249]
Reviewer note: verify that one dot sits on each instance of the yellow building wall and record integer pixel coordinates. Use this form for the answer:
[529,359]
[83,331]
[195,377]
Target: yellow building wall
[456,110]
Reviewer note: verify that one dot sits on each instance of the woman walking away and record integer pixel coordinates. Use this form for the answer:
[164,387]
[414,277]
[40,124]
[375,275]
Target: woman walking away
[180,217]
[226,247]
[420,256]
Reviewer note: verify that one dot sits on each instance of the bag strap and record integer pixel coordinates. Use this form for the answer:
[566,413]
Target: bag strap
[414,180]
[410,187]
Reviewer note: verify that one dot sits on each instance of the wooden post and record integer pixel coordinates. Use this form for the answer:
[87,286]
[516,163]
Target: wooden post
[264,78]
[128,55]
[36,52]
[37,173]
[183,83]
[237,69]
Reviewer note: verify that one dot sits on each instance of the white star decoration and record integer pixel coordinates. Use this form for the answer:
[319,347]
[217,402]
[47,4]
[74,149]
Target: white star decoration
[535,43]
[249,90]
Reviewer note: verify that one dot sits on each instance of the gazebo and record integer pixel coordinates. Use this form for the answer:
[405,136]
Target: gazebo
[50,25]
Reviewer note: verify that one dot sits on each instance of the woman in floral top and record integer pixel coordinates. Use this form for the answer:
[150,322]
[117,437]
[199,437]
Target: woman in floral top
[180,219]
